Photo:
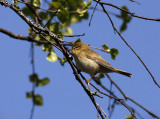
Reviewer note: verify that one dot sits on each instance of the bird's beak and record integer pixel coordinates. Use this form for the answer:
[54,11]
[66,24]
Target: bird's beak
[70,49]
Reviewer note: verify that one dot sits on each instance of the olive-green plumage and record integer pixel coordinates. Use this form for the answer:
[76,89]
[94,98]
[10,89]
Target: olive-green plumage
[91,62]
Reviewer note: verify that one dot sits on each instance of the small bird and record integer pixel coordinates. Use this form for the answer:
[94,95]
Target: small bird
[91,62]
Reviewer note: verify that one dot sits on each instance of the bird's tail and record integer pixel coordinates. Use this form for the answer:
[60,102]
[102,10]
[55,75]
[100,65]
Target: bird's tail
[124,73]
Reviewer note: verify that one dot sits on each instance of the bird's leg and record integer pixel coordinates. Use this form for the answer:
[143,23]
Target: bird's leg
[92,76]
[87,81]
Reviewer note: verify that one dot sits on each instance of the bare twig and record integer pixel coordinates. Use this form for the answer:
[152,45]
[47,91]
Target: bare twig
[119,100]
[93,13]
[34,84]
[128,98]
[21,37]
[135,2]
[64,51]
[73,35]
[103,111]
[58,42]
[54,13]
[115,29]
[132,14]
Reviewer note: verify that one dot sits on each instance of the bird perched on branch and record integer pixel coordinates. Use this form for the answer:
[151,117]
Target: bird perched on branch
[91,62]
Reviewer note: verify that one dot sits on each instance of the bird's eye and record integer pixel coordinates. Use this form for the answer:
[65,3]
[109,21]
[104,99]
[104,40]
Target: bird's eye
[77,47]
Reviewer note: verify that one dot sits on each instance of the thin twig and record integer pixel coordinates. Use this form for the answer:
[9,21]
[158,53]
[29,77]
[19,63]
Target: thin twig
[105,93]
[32,35]
[135,2]
[128,98]
[54,44]
[73,35]
[34,84]
[132,14]
[93,13]
[119,100]
[21,37]
[54,14]
[115,29]
[103,111]
[58,42]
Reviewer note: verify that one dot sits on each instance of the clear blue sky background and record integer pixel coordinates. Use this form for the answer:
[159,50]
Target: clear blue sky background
[64,98]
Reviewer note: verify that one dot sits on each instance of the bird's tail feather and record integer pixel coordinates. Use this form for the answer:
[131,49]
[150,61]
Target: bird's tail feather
[124,73]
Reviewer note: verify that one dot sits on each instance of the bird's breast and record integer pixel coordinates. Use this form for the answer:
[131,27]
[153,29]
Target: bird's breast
[87,65]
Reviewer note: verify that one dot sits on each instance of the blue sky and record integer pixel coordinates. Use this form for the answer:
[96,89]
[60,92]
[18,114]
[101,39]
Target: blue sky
[64,97]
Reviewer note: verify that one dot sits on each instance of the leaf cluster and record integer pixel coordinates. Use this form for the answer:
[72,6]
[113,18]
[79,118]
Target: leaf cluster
[37,98]
[126,19]
[113,51]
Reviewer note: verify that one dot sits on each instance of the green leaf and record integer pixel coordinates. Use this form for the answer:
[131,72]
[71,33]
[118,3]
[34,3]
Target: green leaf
[106,48]
[29,31]
[100,76]
[54,27]
[129,116]
[29,95]
[56,5]
[63,15]
[36,3]
[78,40]
[38,100]
[64,60]
[87,4]
[47,48]
[52,57]
[114,52]
[126,19]
[43,82]
[74,19]
[124,14]
[68,31]
[74,4]
[44,16]
[123,27]
[15,2]
[26,11]
[81,12]
[33,78]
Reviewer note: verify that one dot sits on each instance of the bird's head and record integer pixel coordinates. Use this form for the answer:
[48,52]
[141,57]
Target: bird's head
[79,47]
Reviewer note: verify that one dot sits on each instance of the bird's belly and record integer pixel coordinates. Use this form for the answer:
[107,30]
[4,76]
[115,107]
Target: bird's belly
[87,65]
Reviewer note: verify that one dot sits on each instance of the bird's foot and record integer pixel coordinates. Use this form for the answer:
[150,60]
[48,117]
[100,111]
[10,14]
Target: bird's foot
[88,86]
[96,94]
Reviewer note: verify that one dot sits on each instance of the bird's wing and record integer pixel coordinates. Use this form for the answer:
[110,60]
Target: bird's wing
[97,58]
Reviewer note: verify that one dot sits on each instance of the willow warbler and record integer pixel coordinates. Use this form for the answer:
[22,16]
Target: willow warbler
[91,62]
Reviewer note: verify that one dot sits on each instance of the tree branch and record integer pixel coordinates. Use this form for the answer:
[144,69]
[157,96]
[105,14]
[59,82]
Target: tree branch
[128,98]
[21,37]
[58,41]
[115,29]
[132,14]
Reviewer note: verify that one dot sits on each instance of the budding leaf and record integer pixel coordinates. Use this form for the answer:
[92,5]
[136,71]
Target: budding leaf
[114,52]
[43,82]
[29,95]
[63,15]
[52,57]
[38,100]
[129,117]
[33,78]
[64,60]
